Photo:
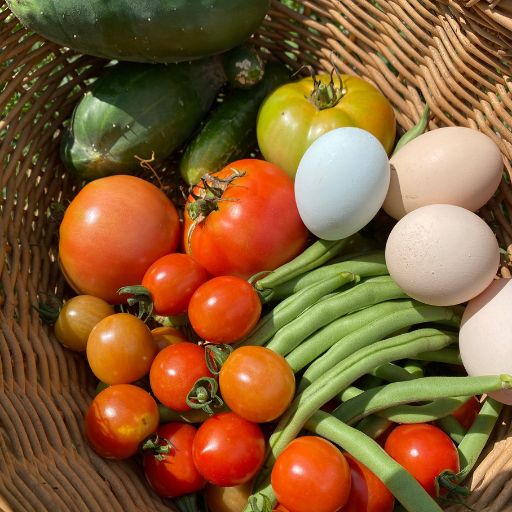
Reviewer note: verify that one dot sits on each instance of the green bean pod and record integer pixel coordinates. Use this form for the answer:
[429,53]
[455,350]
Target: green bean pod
[373,426]
[392,372]
[364,294]
[415,131]
[450,355]
[453,428]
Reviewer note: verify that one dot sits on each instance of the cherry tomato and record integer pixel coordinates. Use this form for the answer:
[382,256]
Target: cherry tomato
[120,349]
[228,450]
[227,499]
[367,493]
[174,372]
[112,231]
[165,336]
[171,281]
[77,318]
[224,309]
[253,226]
[424,450]
[257,383]
[466,414]
[280,508]
[119,419]
[311,474]
[174,474]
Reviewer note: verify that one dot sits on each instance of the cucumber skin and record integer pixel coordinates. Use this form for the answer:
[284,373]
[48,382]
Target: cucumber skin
[143,30]
[138,110]
[229,132]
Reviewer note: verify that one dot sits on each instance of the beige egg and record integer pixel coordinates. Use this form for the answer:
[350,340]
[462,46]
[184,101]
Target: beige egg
[453,165]
[442,254]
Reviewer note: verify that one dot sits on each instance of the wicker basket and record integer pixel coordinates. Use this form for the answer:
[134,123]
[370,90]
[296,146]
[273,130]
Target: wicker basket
[455,55]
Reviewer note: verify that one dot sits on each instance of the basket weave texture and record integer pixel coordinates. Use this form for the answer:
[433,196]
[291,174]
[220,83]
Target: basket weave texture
[454,55]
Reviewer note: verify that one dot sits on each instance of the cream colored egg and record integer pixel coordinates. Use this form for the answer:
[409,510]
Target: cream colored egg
[485,338]
[453,165]
[442,254]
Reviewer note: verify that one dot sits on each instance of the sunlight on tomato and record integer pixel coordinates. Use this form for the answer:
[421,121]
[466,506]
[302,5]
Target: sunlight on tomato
[165,336]
[227,499]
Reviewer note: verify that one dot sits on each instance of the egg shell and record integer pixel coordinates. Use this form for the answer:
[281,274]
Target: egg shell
[485,337]
[341,182]
[453,165]
[442,254]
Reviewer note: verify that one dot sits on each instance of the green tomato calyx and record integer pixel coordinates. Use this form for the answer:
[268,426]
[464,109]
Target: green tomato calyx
[328,95]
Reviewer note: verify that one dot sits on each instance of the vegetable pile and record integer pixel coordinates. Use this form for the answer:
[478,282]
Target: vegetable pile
[311,327]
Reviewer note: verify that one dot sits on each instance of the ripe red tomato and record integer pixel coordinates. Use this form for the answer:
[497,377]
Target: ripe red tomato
[311,474]
[171,281]
[228,450]
[367,493]
[175,473]
[466,414]
[257,383]
[424,450]
[165,336]
[227,499]
[119,418]
[112,231]
[253,226]
[224,309]
[120,349]
[174,372]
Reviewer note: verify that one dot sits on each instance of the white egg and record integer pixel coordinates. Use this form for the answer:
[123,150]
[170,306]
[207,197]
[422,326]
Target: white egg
[341,182]
[485,338]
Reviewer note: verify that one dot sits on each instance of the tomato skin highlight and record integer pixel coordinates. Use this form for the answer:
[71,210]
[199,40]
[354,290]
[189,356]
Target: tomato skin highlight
[424,450]
[257,383]
[228,450]
[113,230]
[165,336]
[174,372]
[171,280]
[367,492]
[255,227]
[119,418]
[176,474]
[311,474]
[224,309]
[120,349]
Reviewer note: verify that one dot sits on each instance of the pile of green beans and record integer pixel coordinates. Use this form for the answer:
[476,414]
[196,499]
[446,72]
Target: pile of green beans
[351,334]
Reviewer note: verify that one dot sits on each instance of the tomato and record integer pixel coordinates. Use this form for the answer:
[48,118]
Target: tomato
[367,492]
[113,230]
[165,336]
[257,383]
[174,474]
[311,474]
[296,114]
[424,450]
[251,223]
[77,318]
[466,414]
[171,280]
[120,349]
[119,419]
[228,450]
[174,372]
[224,309]
[227,499]
[279,508]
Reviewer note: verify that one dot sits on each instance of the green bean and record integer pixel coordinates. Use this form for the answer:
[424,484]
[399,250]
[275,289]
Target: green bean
[293,306]
[391,372]
[415,368]
[362,295]
[418,390]
[453,428]
[409,313]
[373,426]
[364,265]
[447,356]
[315,255]
[415,131]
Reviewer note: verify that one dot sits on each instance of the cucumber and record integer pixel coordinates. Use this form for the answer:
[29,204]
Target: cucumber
[143,30]
[230,130]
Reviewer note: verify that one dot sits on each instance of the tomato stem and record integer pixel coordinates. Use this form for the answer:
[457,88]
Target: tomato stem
[328,95]
[216,355]
[203,395]
[141,297]
[158,446]
[265,507]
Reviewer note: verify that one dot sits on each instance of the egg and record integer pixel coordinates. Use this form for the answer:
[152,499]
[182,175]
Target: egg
[453,165]
[442,254]
[341,182]
[485,337]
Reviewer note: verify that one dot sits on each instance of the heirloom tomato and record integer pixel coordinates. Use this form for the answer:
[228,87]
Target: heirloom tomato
[245,221]
[112,231]
[296,114]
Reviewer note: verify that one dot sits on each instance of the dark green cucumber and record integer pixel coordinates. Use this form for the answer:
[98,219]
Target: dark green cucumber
[230,130]
[143,30]
[138,110]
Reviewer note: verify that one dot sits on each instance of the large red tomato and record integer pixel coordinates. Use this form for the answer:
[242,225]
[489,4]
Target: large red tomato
[245,222]
[112,231]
